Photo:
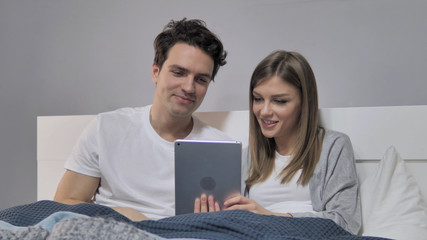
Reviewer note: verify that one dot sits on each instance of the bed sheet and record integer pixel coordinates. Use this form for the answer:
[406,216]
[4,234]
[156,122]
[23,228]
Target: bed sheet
[236,224]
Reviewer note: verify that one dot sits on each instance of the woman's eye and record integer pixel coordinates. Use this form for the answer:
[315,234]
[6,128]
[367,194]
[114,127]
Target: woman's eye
[257,99]
[279,101]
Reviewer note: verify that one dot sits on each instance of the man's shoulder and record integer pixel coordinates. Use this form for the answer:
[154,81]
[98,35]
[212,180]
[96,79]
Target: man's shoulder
[125,112]
[207,131]
[123,117]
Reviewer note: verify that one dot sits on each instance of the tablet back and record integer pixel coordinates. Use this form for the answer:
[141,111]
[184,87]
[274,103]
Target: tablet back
[210,167]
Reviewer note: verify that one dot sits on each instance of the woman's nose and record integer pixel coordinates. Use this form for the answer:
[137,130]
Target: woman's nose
[266,109]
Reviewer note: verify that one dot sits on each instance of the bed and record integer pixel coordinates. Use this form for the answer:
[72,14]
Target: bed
[390,147]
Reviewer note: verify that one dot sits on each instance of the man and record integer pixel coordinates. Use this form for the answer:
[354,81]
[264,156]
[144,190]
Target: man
[125,158]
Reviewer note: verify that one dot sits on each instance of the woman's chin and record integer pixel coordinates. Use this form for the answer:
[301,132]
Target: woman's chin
[268,134]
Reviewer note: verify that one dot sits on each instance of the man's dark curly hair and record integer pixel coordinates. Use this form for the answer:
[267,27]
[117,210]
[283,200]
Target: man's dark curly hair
[194,33]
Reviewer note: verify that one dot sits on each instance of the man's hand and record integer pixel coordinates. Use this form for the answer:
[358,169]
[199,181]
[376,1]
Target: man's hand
[206,204]
[130,213]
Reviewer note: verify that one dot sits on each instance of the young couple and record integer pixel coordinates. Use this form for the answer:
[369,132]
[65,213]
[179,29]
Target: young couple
[296,168]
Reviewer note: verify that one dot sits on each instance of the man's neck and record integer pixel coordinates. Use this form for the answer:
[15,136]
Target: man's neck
[170,128]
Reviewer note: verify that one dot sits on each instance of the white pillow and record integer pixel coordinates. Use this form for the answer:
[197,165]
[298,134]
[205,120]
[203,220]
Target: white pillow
[392,203]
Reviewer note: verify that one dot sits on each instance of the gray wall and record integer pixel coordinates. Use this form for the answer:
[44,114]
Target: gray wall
[62,57]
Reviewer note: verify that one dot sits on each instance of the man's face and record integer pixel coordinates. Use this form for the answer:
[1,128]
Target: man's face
[182,82]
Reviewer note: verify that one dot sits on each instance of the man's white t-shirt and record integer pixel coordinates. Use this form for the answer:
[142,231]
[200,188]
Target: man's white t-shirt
[135,165]
[282,198]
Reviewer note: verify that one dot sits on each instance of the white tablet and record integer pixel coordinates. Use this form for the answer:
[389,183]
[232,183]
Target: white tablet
[210,167]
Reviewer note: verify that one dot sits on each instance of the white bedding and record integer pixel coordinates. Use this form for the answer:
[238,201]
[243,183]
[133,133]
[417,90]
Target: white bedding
[392,203]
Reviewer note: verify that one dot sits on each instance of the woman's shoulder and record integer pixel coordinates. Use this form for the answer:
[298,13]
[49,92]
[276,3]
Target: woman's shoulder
[336,148]
[332,136]
[335,141]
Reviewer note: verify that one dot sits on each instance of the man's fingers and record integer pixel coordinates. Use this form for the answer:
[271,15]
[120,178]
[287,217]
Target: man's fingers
[211,202]
[197,205]
[204,204]
[217,207]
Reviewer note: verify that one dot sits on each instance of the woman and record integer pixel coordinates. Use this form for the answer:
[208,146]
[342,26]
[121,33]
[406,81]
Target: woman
[297,168]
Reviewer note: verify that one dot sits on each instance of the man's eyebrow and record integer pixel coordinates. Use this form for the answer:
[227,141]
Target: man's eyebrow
[177,67]
[207,75]
[182,69]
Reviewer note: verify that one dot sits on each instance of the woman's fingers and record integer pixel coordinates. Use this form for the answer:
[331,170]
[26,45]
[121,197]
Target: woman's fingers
[238,199]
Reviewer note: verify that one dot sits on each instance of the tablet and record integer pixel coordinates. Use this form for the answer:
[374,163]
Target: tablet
[210,167]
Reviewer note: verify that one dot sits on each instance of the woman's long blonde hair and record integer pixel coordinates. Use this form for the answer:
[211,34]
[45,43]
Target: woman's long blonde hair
[293,68]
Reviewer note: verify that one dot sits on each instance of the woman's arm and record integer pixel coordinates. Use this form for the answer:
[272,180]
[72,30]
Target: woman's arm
[334,186]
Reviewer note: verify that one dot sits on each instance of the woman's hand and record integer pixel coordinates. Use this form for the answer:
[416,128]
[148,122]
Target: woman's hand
[206,204]
[130,213]
[239,202]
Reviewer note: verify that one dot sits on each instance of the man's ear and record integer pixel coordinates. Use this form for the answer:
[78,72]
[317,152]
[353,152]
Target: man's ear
[155,73]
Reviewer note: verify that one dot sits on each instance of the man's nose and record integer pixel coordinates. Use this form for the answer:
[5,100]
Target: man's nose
[188,84]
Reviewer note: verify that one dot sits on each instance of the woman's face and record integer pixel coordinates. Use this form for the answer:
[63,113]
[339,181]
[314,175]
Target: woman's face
[277,107]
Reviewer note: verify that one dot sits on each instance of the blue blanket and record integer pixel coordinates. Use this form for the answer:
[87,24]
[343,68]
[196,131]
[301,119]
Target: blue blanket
[218,225]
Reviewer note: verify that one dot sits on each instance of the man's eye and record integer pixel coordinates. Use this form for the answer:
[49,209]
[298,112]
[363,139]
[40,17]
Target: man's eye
[177,73]
[202,80]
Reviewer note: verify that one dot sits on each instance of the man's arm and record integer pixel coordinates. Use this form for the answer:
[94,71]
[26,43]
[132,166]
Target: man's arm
[79,188]
[76,188]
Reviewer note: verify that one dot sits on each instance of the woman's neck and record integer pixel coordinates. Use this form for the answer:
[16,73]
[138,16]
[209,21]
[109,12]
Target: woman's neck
[285,145]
